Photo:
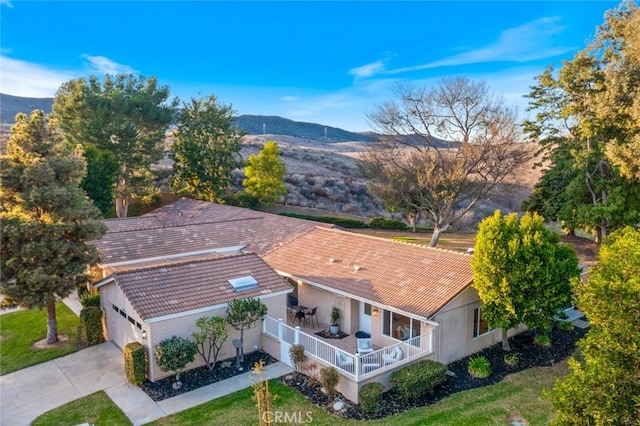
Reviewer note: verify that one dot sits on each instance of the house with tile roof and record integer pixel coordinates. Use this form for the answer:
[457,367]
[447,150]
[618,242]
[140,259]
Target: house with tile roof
[413,301]
[164,270]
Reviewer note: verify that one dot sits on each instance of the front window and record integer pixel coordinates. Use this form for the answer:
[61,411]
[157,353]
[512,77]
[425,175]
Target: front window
[480,325]
[399,326]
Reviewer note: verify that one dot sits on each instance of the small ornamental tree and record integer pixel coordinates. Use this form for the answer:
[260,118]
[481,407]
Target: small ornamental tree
[521,271]
[174,354]
[243,314]
[604,387]
[211,335]
[265,174]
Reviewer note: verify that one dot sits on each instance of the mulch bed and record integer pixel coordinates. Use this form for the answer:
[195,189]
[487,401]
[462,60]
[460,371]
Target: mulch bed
[326,334]
[529,354]
[201,376]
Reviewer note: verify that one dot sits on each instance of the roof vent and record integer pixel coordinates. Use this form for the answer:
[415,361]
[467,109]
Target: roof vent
[243,283]
[356,268]
[331,260]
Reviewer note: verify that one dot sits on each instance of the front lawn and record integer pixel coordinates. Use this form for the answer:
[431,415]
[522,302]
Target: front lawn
[20,330]
[96,409]
[517,396]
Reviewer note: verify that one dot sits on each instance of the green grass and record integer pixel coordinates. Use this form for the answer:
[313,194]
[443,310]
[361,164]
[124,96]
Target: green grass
[517,395]
[96,409]
[19,330]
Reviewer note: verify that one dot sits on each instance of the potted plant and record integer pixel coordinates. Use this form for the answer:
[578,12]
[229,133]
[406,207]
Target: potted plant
[335,320]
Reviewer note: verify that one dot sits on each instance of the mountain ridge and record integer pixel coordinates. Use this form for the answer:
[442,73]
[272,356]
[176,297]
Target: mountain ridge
[251,124]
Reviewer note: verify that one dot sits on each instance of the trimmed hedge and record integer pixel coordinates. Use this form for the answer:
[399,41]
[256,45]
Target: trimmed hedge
[415,380]
[339,221]
[382,223]
[90,299]
[370,395]
[135,363]
[92,331]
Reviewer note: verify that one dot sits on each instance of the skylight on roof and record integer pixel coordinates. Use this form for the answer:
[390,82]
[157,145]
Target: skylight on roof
[243,283]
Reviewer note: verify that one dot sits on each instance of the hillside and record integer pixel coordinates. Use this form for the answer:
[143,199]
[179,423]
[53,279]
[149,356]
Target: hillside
[11,105]
[250,124]
[260,124]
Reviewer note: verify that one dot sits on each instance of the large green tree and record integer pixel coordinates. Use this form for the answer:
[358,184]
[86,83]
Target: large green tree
[102,168]
[126,115]
[265,174]
[446,148]
[206,149]
[587,117]
[603,386]
[521,271]
[46,219]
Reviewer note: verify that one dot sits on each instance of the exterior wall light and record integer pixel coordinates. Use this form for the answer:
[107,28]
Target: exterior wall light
[144,335]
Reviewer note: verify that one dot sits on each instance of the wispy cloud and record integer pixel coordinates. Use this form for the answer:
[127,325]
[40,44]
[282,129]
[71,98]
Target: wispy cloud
[526,42]
[368,70]
[6,3]
[289,98]
[104,65]
[21,78]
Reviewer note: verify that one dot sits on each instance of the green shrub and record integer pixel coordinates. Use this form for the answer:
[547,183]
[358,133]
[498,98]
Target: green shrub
[242,199]
[479,367]
[565,326]
[339,221]
[511,359]
[92,330]
[382,223]
[173,354]
[417,379]
[329,378]
[90,299]
[370,395]
[135,363]
[542,340]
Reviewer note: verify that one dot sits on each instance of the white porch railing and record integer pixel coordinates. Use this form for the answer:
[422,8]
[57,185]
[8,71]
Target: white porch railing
[359,366]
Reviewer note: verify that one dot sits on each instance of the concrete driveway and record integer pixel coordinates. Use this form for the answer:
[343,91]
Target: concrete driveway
[27,393]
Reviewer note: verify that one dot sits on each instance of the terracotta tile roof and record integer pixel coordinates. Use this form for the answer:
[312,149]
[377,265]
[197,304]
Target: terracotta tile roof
[182,287]
[132,223]
[273,231]
[139,244]
[410,278]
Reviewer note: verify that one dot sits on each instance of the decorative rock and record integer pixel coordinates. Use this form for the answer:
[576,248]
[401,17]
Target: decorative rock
[338,406]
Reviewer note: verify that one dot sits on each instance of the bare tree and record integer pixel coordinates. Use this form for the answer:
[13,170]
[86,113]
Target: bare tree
[443,150]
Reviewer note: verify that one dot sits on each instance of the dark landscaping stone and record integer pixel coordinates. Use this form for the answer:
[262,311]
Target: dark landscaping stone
[201,376]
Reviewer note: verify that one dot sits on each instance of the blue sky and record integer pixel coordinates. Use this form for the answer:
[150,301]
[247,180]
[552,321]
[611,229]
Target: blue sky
[323,62]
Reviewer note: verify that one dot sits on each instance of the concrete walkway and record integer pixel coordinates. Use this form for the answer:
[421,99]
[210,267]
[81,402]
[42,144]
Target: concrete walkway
[30,392]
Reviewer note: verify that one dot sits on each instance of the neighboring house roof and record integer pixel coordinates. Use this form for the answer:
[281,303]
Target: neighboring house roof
[135,245]
[182,288]
[414,279]
[186,224]
[132,223]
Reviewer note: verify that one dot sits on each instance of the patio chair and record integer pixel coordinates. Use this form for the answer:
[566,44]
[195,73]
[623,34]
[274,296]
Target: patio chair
[300,316]
[311,314]
[344,361]
[394,356]
[364,346]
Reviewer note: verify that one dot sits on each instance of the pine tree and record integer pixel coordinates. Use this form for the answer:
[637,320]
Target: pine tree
[47,221]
